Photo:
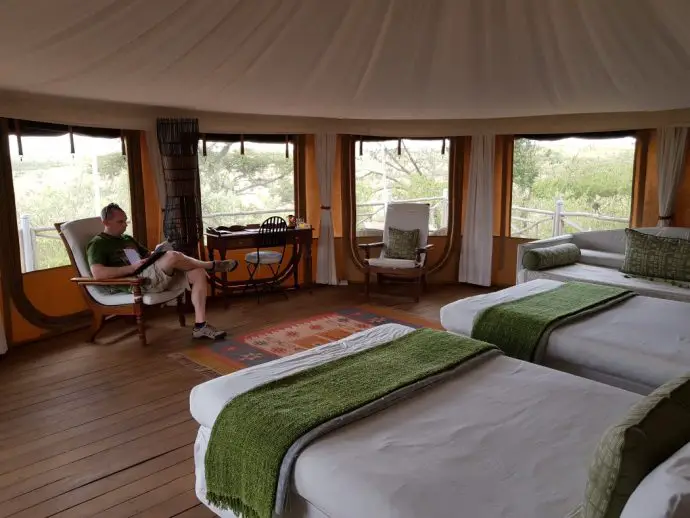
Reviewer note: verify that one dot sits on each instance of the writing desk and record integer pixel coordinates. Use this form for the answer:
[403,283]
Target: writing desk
[300,240]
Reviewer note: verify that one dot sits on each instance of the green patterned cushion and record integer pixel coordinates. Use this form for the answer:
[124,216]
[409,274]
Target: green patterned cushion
[655,428]
[550,256]
[647,255]
[402,244]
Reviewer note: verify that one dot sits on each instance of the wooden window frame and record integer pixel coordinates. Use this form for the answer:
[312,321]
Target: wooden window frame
[457,164]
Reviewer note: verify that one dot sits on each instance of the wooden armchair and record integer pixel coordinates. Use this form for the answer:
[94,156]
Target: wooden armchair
[406,217]
[102,302]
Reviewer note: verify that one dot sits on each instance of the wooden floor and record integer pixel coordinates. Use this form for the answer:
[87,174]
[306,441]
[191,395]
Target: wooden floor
[105,430]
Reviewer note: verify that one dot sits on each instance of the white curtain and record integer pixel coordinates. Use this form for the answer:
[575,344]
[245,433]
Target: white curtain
[670,160]
[477,232]
[325,163]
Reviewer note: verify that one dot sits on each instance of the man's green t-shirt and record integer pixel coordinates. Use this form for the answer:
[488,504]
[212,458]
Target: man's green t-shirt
[110,250]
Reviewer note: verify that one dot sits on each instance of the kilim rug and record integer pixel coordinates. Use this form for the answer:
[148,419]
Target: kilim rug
[237,352]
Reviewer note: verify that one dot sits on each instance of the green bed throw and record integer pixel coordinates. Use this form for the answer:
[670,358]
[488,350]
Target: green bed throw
[518,327]
[255,430]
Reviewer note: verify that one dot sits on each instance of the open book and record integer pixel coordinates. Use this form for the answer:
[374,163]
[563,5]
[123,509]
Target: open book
[134,257]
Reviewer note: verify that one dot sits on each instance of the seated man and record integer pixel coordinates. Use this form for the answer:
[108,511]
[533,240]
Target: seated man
[108,259]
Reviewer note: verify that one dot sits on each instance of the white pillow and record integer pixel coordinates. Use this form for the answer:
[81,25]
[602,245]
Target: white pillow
[665,492]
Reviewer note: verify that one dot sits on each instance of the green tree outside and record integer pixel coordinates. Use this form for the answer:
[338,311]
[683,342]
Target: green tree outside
[56,189]
[593,177]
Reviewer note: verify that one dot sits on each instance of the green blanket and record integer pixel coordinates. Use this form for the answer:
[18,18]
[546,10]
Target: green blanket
[254,431]
[518,327]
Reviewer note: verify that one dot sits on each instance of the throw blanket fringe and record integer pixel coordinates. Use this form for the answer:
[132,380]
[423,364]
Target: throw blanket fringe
[255,435]
[521,328]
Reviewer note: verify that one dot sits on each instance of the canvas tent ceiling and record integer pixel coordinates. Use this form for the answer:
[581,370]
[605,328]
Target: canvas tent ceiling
[366,60]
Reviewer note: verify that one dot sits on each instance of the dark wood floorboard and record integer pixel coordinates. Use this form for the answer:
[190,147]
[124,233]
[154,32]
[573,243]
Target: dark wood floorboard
[104,429]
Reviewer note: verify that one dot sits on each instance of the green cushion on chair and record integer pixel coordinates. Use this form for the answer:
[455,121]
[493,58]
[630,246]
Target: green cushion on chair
[550,256]
[402,244]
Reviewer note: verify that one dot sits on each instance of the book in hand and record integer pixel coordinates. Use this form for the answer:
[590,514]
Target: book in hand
[157,254]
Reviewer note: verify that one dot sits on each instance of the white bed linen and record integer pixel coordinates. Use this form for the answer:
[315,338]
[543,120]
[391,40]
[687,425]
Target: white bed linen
[505,439]
[637,344]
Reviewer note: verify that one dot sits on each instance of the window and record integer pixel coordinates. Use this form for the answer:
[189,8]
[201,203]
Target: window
[571,185]
[405,170]
[51,185]
[239,189]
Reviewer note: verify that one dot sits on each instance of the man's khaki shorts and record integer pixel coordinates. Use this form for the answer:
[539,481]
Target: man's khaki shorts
[156,280]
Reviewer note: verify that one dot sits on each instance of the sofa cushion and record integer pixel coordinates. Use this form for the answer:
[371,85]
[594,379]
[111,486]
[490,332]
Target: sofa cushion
[599,258]
[647,255]
[551,256]
[610,276]
[654,429]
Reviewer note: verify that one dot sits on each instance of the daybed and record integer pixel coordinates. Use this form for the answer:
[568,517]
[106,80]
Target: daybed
[501,438]
[601,256]
[636,344]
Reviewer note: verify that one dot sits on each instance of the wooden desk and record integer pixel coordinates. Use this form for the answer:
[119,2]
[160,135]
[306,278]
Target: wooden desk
[299,239]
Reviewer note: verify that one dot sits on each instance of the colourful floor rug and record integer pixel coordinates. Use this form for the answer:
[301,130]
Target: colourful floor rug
[237,352]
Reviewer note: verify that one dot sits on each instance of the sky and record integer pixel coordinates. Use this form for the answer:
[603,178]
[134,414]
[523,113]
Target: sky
[42,148]
[38,148]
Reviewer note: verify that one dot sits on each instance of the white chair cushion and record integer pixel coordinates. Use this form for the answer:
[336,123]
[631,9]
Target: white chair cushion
[78,233]
[384,262]
[405,216]
[117,299]
[263,257]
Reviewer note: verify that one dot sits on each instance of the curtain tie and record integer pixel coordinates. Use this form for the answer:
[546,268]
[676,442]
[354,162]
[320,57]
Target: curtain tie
[666,218]
[325,207]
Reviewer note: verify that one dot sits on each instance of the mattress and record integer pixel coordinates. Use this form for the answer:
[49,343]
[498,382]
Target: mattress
[504,439]
[637,344]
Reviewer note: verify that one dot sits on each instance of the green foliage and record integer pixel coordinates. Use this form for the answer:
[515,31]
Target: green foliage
[259,180]
[526,158]
[418,172]
[595,179]
[55,190]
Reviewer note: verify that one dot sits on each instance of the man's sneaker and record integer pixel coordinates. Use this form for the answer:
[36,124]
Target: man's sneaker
[208,331]
[228,265]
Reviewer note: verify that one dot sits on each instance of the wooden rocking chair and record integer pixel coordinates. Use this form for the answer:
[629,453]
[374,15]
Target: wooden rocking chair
[76,236]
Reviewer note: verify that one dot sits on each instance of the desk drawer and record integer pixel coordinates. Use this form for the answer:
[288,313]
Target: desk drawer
[245,242]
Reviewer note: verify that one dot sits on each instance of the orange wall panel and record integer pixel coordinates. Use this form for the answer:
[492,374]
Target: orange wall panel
[504,260]
[52,293]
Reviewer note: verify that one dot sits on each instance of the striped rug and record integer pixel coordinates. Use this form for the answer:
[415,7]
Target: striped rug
[237,352]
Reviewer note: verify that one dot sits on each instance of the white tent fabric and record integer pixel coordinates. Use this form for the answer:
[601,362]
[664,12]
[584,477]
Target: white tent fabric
[477,233]
[325,145]
[670,160]
[340,65]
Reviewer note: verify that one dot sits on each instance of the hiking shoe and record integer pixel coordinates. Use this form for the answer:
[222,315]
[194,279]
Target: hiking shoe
[228,265]
[208,331]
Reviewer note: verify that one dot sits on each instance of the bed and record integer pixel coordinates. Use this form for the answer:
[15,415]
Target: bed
[637,344]
[474,445]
